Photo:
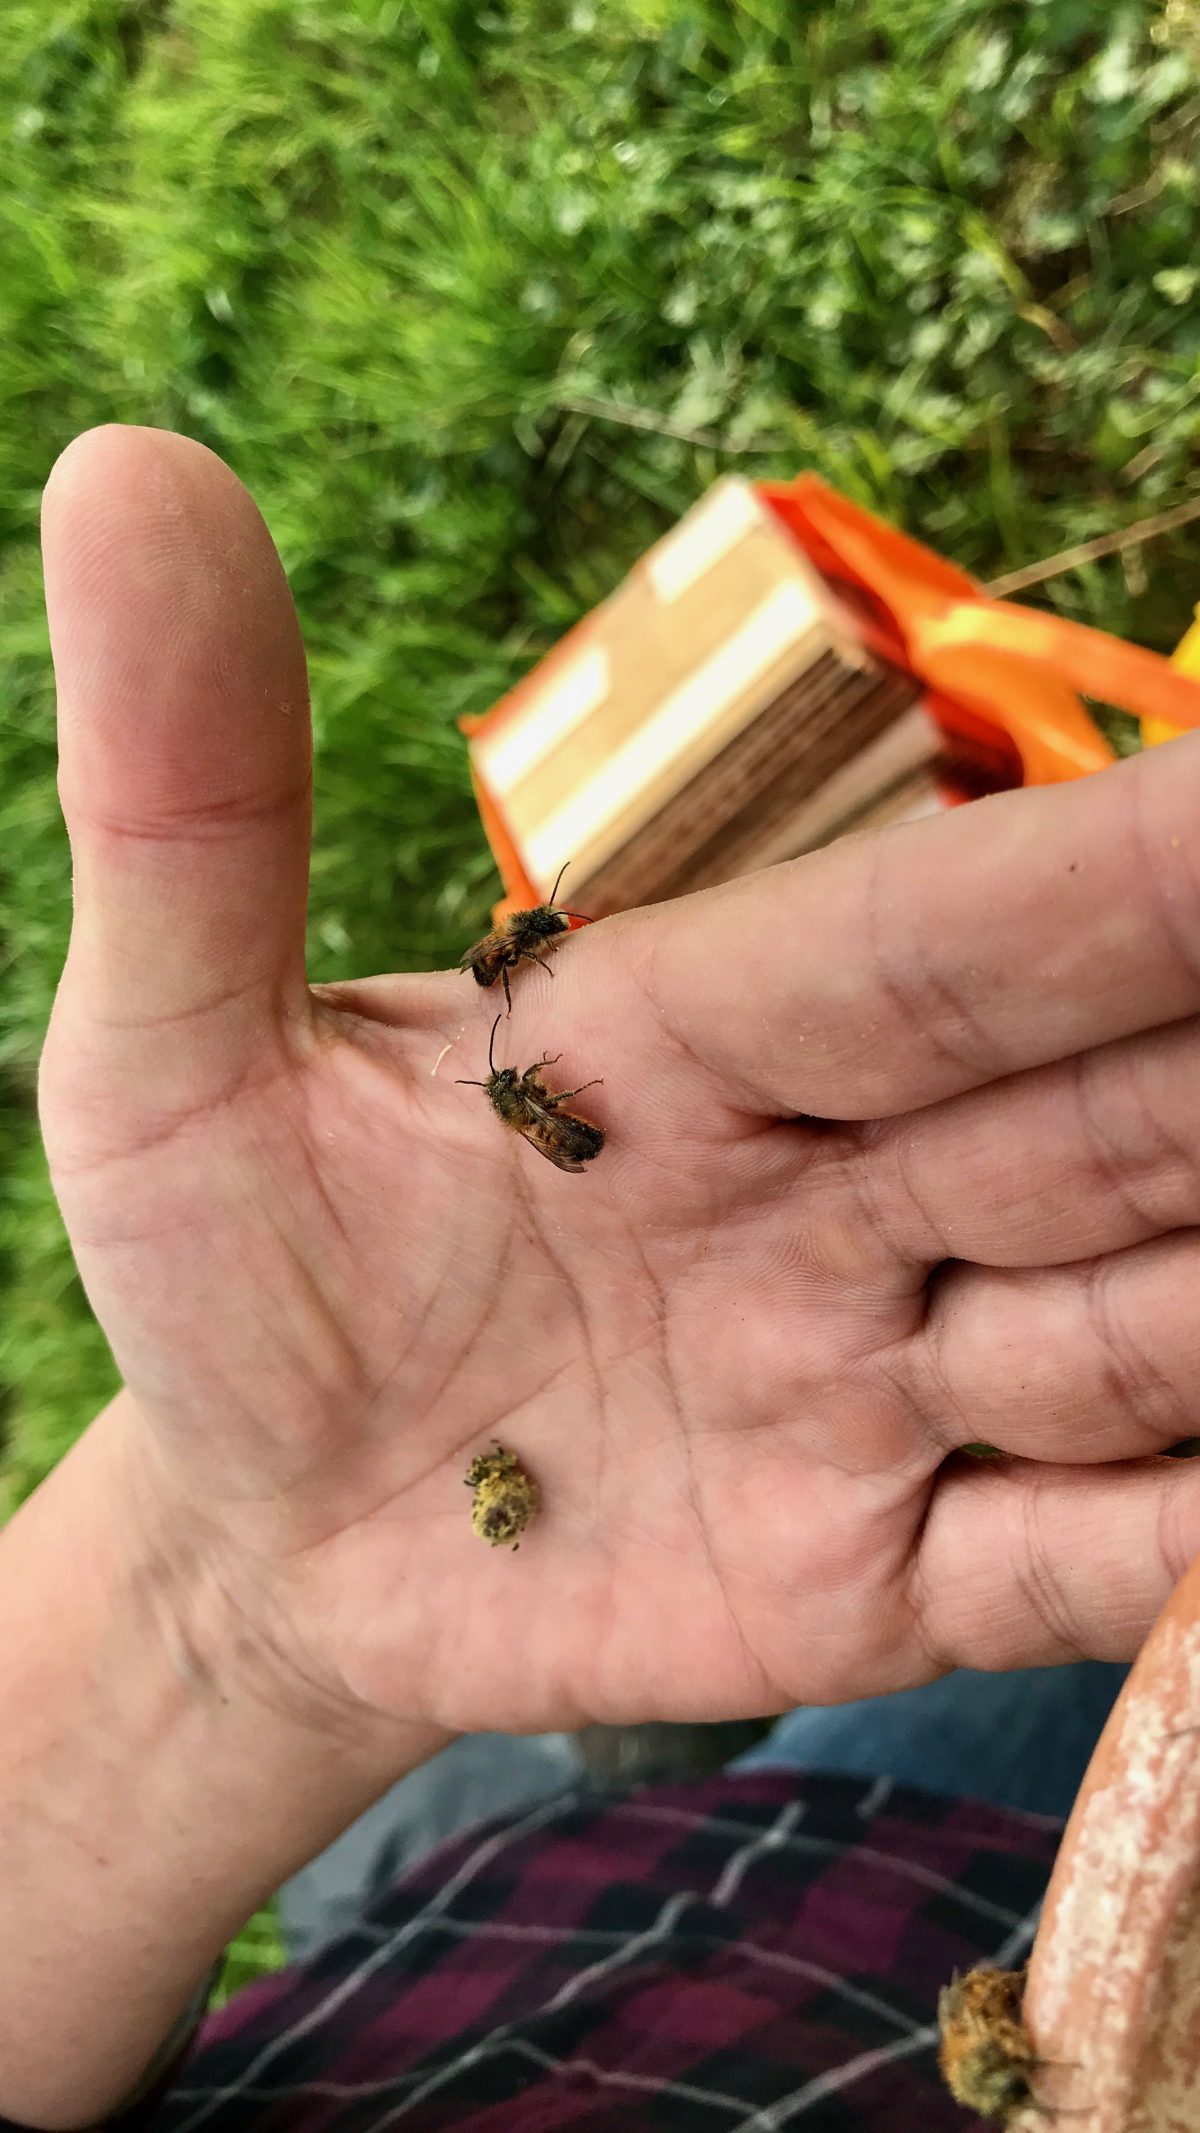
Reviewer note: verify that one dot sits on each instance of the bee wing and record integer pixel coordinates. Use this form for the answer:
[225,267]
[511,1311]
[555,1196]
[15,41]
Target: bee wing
[537,1108]
[546,1145]
[480,947]
[545,1131]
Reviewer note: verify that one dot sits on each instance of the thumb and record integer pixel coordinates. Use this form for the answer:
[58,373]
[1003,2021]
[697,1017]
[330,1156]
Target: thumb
[184,767]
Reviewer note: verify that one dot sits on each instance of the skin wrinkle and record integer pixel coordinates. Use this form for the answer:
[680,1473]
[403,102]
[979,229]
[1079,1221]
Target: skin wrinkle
[1103,1155]
[334,1456]
[1016,1485]
[322,1310]
[196,1011]
[380,1073]
[114,1240]
[325,1198]
[195,824]
[893,977]
[179,1121]
[490,1307]
[331,1454]
[1168,1144]
[1173,1550]
[576,1294]
[694,1492]
[1041,1585]
[845,1160]
[368,1513]
[315,1308]
[1129,1367]
[935,1383]
[314,1420]
[872,1191]
[1083,1375]
[291,1681]
[1120,1072]
[928,1449]
[295,1261]
[643,974]
[1154,857]
[341,1008]
[311,1544]
[1177,1553]
[65,1831]
[388,1380]
[511,1415]
[890,1145]
[914,1592]
[264,1163]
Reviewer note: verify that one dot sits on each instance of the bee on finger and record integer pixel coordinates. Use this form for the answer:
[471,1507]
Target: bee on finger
[522,937]
[987,2055]
[522,1101]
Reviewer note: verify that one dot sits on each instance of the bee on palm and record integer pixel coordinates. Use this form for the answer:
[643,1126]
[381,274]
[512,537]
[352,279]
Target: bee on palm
[504,1500]
[523,1102]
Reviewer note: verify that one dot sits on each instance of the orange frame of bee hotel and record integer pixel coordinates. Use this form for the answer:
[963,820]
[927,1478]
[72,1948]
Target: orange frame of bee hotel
[1003,681]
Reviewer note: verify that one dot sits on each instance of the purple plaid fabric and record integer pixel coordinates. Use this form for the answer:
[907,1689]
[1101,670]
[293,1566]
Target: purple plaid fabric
[739,1956]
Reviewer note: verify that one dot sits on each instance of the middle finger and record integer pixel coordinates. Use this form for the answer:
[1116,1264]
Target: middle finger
[1087,1156]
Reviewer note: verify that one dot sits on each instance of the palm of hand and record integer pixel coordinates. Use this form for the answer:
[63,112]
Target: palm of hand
[348,1280]
[330,1278]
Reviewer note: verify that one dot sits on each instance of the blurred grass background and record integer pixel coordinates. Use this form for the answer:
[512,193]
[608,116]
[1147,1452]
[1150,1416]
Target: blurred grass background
[477,298]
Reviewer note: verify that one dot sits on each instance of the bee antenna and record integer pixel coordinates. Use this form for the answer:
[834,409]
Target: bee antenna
[460,1082]
[491,1041]
[562,870]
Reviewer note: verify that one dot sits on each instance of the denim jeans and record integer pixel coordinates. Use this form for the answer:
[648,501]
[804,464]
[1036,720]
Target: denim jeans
[1018,1740]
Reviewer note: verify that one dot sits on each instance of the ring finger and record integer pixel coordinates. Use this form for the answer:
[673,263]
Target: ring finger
[1078,1364]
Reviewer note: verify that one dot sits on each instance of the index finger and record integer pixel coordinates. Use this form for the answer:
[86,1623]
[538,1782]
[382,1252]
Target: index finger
[894,969]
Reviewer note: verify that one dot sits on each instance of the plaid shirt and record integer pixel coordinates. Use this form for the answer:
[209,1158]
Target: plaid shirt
[738,1956]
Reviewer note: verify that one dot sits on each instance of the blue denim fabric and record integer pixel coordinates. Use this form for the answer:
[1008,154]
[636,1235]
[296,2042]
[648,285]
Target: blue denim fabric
[1016,1740]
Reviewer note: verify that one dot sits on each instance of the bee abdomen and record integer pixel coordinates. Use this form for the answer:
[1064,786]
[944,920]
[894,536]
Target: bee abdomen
[579,1134]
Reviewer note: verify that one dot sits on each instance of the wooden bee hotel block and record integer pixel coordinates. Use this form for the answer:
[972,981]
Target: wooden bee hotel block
[718,712]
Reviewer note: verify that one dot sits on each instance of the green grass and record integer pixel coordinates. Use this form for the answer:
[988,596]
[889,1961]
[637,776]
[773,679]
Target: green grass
[390,256]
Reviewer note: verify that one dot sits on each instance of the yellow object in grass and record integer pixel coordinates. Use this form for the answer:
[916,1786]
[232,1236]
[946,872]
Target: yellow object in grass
[1186,657]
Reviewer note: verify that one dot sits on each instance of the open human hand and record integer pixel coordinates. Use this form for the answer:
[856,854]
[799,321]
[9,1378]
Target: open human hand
[902,1154]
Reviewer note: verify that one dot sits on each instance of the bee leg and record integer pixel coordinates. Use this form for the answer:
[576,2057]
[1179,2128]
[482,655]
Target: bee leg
[530,1077]
[527,956]
[504,982]
[561,1097]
